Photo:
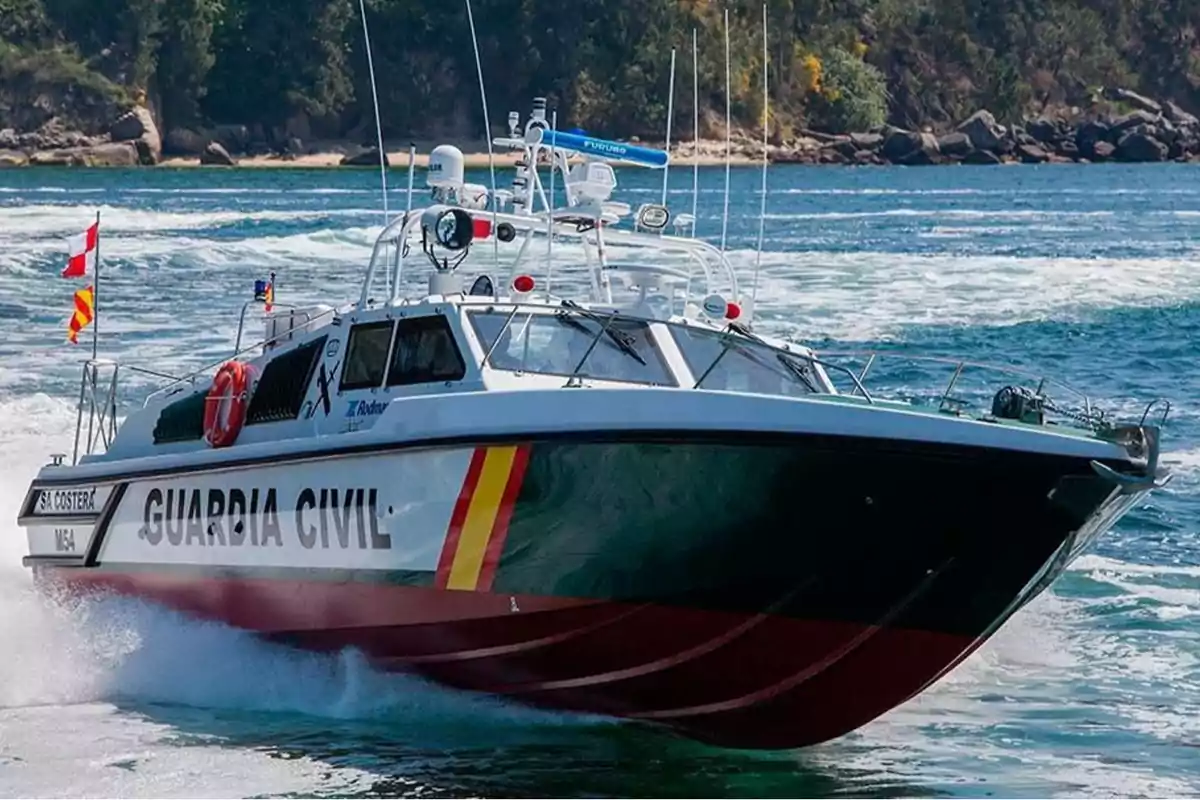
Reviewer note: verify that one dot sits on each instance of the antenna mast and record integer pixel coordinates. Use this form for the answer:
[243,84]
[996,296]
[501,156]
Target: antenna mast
[670,113]
[728,145]
[362,9]
[762,214]
[695,132]
[487,132]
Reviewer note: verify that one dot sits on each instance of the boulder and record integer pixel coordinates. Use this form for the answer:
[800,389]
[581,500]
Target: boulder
[1032,154]
[216,155]
[982,157]
[1179,116]
[983,131]
[1067,149]
[955,145]
[1089,134]
[138,126]
[112,154]
[919,158]
[867,141]
[184,142]
[366,158]
[1042,130]
[795,155]
[9,140]
[1131,120]
[234,138]
[1139,147]
[900,143]
[1138,101]
[13,158]
[1102,151]
[53,135]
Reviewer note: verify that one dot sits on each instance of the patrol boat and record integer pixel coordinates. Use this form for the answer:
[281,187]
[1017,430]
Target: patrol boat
[545,455]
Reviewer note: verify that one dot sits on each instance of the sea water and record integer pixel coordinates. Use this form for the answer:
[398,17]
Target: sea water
[1084,273]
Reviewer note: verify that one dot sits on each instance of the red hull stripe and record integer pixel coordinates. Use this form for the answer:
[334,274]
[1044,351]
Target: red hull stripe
[724,677]
[450,547]
[479,523]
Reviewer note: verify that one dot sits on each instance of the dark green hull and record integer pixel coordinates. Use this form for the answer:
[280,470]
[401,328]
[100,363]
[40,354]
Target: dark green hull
[753,592]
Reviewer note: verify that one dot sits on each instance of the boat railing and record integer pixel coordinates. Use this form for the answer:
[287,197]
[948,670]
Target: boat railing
[1081,410]
[707,265]
[1086,412]
[96,417]
[98,402]
[254,349]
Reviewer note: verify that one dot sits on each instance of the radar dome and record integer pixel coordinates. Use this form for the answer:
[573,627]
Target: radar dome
[445,167]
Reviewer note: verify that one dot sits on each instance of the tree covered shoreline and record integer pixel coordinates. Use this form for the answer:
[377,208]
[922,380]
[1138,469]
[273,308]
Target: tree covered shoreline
[295,70]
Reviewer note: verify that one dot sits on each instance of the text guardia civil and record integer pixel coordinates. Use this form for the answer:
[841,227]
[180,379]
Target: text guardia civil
[346,518]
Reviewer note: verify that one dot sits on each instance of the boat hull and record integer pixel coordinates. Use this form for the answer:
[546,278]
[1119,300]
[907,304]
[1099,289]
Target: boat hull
[760,593]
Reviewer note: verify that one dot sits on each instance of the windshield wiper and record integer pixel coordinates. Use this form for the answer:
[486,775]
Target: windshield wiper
[795,370]
[621,339]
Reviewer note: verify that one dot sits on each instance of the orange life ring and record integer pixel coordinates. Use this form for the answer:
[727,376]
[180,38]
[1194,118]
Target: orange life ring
[228,392]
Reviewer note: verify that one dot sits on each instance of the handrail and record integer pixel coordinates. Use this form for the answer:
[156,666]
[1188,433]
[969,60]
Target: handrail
[100,400]
[873,355]
[399,229]
[1089,415]
[191,376]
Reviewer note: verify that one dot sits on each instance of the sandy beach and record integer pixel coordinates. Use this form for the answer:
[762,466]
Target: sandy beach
[712,153]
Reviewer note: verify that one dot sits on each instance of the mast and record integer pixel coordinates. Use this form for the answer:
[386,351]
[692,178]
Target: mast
[762,213]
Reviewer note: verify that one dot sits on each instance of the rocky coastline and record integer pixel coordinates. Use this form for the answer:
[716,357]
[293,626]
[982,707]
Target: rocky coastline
[1140,130]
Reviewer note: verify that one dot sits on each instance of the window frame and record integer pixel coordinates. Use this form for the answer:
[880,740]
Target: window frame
[747,349]
[343,385]
[669,378]
[438,321]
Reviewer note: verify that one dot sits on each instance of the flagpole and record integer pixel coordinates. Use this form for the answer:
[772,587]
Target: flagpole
[96,294]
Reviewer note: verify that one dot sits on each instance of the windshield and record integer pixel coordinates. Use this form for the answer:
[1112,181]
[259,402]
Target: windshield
[554,344]
[746,366]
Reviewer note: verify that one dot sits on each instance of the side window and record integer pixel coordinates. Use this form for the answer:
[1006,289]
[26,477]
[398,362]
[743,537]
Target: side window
[284,382]
[425,352]
[366,356]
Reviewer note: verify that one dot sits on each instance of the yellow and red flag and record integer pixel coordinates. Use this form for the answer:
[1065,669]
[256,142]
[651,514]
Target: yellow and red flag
[85,312]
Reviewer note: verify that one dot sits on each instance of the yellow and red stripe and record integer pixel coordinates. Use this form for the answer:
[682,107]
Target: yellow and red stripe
[85,312]
[479,523]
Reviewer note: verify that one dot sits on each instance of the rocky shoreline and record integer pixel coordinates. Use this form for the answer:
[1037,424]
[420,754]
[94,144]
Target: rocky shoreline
[1146,131]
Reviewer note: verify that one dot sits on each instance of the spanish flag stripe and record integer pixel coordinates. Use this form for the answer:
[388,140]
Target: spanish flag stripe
[479,523]
[458,517]
[481,516]
[495,545]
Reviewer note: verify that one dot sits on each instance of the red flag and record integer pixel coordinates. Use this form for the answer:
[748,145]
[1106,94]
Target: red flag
[83,252]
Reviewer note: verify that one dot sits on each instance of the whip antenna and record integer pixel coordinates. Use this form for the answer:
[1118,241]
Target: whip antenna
[762,213]
[362,9]
[487,131]
[695,132]
[728,145]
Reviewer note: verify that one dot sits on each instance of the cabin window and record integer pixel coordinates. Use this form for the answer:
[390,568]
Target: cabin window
[554,344]
[366,356]
[181,421]
[280,392]
[425,352]
[746,365]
